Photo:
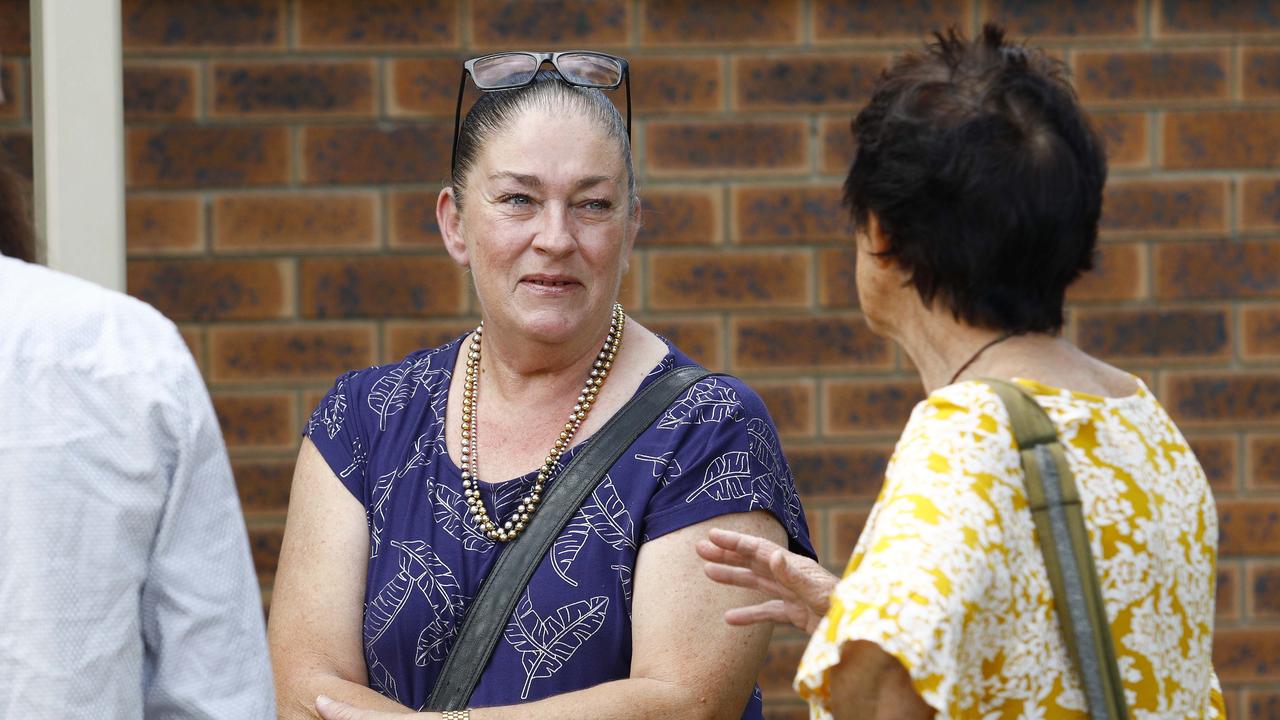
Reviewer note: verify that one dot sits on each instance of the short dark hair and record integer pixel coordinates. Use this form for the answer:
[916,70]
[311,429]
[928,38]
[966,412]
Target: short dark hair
[984,175]
[17,236]
[495,110]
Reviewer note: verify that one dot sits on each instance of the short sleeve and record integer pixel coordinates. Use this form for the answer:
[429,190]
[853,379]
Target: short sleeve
[334,429]
[722,455]
[920,568]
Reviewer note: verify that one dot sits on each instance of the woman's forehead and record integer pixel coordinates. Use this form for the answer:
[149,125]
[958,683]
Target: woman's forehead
[541,146]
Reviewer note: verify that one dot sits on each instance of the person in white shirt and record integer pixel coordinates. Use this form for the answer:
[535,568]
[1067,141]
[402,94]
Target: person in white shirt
[126,585]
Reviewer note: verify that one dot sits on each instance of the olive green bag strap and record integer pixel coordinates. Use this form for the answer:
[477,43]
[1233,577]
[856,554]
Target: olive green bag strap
[1064,542]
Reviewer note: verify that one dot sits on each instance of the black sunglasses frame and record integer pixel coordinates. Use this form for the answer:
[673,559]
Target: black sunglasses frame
[624,79]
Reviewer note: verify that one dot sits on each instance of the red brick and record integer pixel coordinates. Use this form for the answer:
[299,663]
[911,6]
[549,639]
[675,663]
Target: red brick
[807,343]
[1245,398]
[13,86]
[407,24]
[746,22]
[1260,332]
[687,280]
[710,148]
[159,91]
[1125,136]
[288,353]
[1261,200]
[1247,654]
[791,404]
[207,290]
[260,88]
[193,336]
[1164,206]
[1260,73]
[790,215]
[1226,604]
[195,157]
[272,223]
[805,82]
[405,337]
[364,154]
[837,277]
[15,29]
[423,86]
[163,223]
[263,483]
[1044,19]
[186,24]
[680,216]
[257,420]
[1218,270]
[1217,455]
[1119,273]
[670,84]
[413,219]
[849,471]
[1263,590]
[1261,704]
[1226,139]
[555,23]
[846,527]
[381,287]
[838,147]
[1196,17]
[1144,76]
[1154,336]
[1232,700]
[839,20]
[15,149]
[780,667]
[1249,527]
[264,544]
[1263,463]
[698,337]
[869,406]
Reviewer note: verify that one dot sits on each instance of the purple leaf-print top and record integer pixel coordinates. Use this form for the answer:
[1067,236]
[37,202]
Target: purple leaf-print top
[381,430]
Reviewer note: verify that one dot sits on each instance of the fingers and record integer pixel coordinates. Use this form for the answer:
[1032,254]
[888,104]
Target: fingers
[749,546]
[772,611]
[333,710]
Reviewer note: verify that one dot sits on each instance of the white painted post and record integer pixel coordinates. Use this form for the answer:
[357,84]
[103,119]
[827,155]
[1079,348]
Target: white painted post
[78,124]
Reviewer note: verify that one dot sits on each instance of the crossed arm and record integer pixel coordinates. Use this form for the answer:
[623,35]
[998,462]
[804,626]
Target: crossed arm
[685,661]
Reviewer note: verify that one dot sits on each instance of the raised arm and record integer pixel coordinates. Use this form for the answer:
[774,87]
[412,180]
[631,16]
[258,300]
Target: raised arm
[317,608]
[686,662]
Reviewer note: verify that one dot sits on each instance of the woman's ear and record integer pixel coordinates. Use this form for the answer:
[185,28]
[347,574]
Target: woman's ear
[878,241]
[449,218]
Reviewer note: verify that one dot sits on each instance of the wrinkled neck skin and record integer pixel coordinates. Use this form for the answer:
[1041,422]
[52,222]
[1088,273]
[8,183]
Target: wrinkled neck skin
[517,368]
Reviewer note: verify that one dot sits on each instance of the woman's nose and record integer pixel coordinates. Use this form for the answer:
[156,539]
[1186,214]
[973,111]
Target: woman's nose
[555,236]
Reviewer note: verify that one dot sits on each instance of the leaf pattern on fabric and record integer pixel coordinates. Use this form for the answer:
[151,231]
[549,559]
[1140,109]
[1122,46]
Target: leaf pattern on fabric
[420,569]
[359,459]
[728,477]
[624,578]
[708,401]
[453,515]
[568,545]
[664,467]
[609,517]
[378,510]
[545,644]
[775,478]
[393,391]
[381,679]
[332,411]
[435,640]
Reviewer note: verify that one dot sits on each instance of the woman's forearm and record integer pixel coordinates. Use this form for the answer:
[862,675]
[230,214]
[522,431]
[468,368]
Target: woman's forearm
[629,699]
[296,700]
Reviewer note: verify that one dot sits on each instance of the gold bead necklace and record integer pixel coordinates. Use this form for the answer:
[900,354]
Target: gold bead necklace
[508,530]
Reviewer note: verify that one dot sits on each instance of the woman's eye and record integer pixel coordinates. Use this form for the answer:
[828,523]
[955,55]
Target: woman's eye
[597,205]
[517,199]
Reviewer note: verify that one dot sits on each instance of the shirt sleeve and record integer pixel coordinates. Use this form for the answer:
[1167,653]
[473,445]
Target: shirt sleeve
[920,568]
[202,625]
[335,431]
[725,457]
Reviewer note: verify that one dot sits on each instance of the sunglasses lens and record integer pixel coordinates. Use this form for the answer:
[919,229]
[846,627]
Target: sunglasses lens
[505,70]
[590,69]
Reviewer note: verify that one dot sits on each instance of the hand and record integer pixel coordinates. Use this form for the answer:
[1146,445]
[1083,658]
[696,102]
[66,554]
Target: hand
[799,587]
[330,709]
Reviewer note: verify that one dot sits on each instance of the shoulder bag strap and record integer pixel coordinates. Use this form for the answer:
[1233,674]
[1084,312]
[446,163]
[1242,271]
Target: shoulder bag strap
[501,590]
[1064,542]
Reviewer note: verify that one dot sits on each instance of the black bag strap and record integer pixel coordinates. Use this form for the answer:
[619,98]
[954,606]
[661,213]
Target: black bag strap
[1064,542]
[504,585]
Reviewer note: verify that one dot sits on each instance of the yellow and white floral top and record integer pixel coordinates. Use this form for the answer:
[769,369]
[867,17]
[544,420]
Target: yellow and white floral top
[948,576]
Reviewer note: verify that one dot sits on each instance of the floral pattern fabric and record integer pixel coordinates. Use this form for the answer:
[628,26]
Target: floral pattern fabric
[382,431]
[948,576]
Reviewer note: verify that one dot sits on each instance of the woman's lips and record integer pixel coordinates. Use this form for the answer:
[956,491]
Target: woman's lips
[550,285]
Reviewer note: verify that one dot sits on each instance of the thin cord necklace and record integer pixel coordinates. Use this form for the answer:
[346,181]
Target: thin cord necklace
[973,357]
[510,529]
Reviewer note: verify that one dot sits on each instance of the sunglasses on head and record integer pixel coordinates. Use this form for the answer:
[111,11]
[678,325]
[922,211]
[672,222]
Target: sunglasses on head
[508,70]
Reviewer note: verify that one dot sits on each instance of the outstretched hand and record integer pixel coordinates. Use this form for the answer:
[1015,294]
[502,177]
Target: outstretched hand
[799,588]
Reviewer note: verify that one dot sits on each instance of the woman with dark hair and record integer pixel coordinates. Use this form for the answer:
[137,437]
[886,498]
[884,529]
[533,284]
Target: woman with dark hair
[416,476]
[976,192]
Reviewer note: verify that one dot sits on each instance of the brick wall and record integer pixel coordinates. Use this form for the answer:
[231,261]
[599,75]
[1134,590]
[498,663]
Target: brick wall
[283,158]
